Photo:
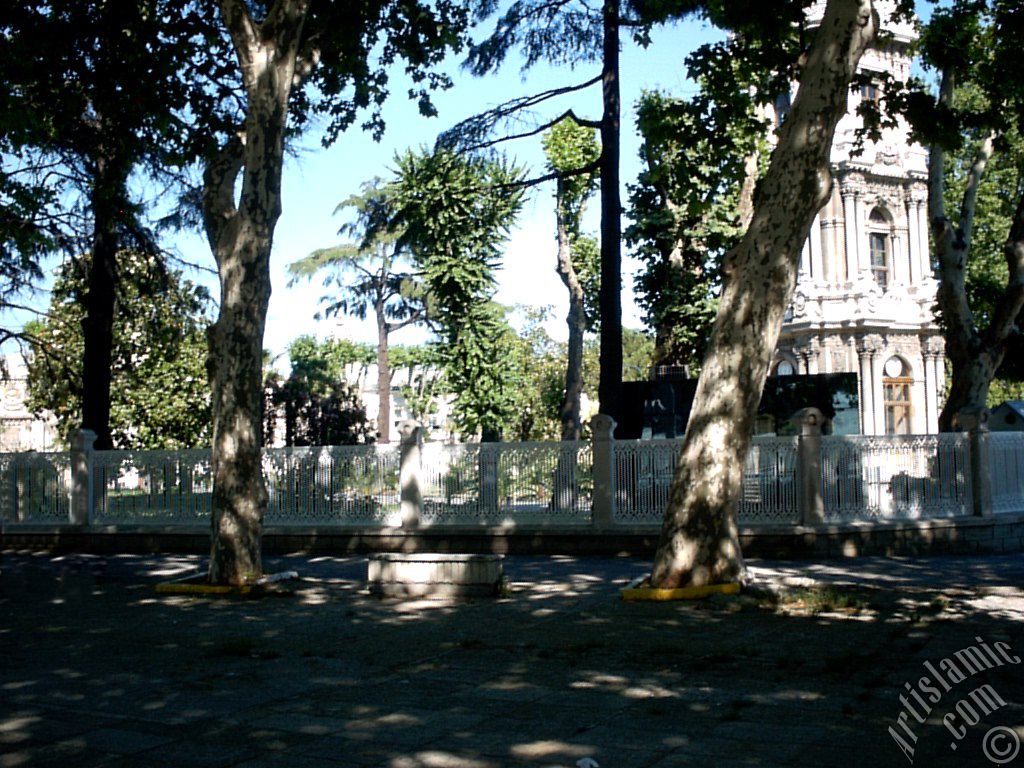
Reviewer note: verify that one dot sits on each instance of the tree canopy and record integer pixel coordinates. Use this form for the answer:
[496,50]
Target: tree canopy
[161,399]
[455,214]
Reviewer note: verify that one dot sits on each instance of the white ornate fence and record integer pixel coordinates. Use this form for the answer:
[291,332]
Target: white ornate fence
[35,487]
[166,487]
[644,470]
[896,476]
[604,483]
[1006,464]
[497,483]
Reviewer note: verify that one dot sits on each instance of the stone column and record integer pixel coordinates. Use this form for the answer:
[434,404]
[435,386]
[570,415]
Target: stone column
[602,428]
[848,191]
[975,423]
[810,502]
[924,254]
[877,373]
[831,251]
[934,350]
[814,242]
[913,240]
[81,507]
[868,347]
[862,230]
[813,354]
[902,269]
[411,462]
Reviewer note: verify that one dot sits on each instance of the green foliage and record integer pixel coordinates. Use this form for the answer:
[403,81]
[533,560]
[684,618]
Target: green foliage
[160,395]
[538,368]
[320,407]
[1002,390]
[685,212]
[455,214]
[1000,189]
[568,148]
[976,46]
[369,273]
[637,352]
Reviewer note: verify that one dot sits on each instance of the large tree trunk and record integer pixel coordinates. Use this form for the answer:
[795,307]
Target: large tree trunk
[100,300]
[241,239]
[609,390]
[383,377]
[569,412]
[975,354]
[699,542]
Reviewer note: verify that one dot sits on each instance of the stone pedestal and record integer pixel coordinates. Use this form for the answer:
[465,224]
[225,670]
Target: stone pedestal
[434,575]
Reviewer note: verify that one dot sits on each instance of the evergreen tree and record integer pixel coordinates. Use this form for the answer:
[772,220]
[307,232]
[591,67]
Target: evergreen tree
[161,399]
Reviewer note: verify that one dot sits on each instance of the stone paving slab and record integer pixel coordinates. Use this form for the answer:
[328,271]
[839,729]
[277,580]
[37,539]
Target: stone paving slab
[97,670]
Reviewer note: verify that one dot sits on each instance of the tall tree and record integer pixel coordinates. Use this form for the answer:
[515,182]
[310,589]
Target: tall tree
[686,211]
[978,111]
[569,146]
[699,542]
[382,283]
[341,52]
[456,213]
[96,95]
[571,32]
[161,399]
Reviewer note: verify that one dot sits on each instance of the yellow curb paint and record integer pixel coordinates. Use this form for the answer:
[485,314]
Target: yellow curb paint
[636,594]
[177,588]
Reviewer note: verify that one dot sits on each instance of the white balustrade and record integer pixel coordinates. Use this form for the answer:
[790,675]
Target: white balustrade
[1006,463]
[35,487]
[495,483]
[337,484]
[644,471]
[896,476]
[133,487]
[519,484]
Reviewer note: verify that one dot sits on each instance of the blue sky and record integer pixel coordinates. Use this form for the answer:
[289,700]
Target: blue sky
[318,179]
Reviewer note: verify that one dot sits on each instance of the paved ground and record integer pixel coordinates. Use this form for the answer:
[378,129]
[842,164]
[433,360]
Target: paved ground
[97,670]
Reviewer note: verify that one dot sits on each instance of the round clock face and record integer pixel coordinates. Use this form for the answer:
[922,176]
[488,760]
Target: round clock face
[785,368]
[893,367]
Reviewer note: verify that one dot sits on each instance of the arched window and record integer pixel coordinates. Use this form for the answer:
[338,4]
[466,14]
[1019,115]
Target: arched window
[880,246]
[896,386]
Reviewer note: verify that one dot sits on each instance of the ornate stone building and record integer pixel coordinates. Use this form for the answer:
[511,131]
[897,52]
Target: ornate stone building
[865,294]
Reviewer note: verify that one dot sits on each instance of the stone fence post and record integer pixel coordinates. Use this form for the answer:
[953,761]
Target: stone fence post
[809,499]
[81,507]
[410,463]
[602,427]
[975,424]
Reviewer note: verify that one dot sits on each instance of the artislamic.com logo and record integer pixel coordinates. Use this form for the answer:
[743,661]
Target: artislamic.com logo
[1000,744]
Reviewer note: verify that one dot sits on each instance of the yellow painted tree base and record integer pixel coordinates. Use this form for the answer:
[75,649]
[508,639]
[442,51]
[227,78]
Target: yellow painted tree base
[643,592]
[181,588]
[197,586]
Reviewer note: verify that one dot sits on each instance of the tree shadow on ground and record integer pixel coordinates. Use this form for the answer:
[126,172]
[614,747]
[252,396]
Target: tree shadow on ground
[100,670]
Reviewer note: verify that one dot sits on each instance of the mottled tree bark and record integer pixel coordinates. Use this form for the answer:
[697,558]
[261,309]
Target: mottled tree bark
[610,296]
[975,354]
[241,237]
[699,543]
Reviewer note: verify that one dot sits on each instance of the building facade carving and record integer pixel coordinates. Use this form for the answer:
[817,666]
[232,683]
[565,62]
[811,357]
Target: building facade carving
[865,291]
